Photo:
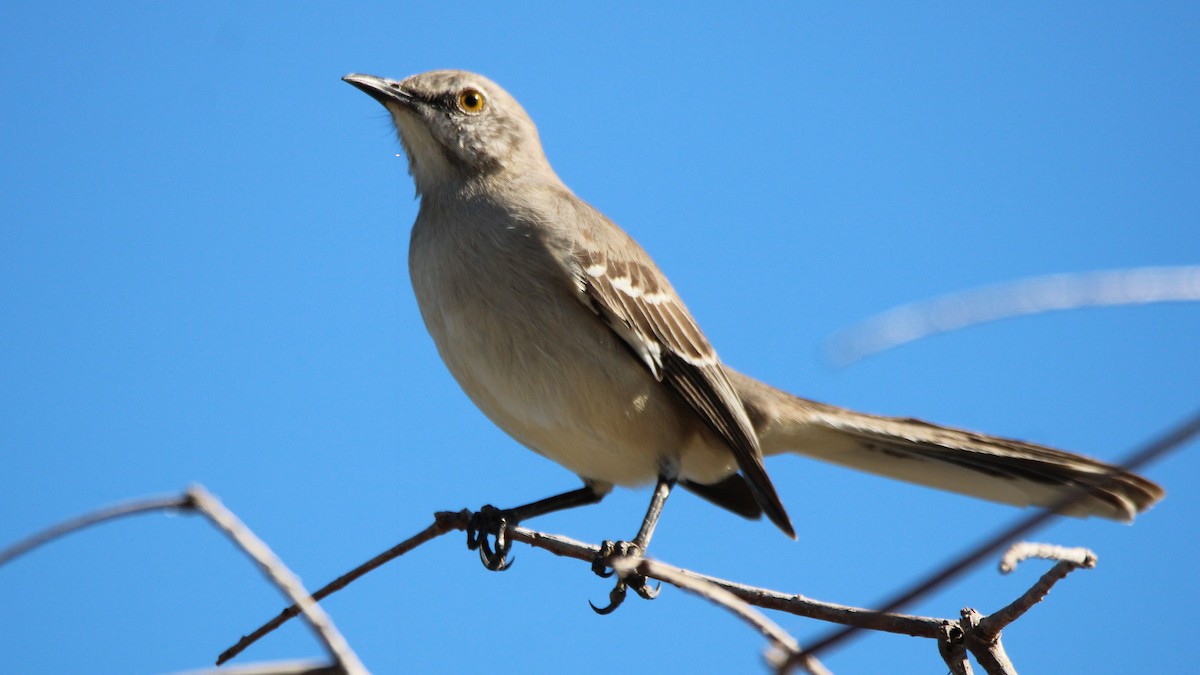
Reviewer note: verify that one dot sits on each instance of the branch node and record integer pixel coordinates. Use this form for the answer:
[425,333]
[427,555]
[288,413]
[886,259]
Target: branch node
[952,646]
[985,644]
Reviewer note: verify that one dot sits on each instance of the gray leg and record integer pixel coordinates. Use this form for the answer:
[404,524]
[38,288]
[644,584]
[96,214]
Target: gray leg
[490,520]
[636,547]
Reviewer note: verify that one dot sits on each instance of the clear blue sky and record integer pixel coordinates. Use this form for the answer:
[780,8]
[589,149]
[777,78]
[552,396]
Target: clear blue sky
[202,278]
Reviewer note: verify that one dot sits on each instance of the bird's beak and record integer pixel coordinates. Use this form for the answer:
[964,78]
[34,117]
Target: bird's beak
[386,92]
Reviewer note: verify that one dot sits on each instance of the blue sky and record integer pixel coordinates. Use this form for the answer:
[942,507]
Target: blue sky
[203,278]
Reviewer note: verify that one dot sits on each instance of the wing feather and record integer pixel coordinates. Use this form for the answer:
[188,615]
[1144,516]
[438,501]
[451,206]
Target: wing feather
[639,305]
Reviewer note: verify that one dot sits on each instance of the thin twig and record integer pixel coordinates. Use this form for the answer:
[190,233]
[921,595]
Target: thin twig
[280,575]
[444,522]
[917,626]
[953,649]
[272,668]
[982,634]
[987,649]
[130,508]
[1024,550]
[779,638]
[791,603]
[1069,560]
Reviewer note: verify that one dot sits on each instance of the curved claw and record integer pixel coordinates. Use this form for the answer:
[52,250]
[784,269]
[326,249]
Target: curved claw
[490,521]
[615,597]
[607,548]
[494,562]
[502,542]
[624,582]
[643,589]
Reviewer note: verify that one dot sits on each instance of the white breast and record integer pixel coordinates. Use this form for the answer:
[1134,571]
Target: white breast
[540,364]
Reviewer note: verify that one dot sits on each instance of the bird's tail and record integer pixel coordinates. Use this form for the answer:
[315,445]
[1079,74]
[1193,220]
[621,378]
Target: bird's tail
[988,467]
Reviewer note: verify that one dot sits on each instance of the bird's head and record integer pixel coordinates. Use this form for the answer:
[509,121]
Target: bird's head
[456,126]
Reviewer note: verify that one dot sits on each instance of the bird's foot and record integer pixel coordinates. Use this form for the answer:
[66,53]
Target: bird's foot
[492,522]
[621,549]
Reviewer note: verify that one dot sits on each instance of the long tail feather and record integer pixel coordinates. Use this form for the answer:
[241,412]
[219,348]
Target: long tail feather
[988,467]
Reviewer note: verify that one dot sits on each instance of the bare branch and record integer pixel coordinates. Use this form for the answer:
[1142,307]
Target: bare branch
[130,508]
[1024,550]
[980,635]
[985,647]
[780,639]
[1069,560]
[273,668]
[446,521]
[953,649]
[917,626]
[972,632]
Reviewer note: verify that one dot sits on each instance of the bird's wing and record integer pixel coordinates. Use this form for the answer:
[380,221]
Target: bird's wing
[624,287]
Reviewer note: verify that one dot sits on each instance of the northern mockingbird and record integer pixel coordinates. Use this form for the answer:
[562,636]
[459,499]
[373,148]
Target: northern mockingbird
[564,332]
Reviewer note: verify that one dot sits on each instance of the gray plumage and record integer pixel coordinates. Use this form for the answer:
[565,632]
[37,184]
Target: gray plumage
[564,332]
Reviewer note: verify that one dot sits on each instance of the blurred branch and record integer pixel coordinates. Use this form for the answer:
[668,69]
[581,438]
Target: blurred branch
[130,508]
[273,668]
[198,500]
[907,323]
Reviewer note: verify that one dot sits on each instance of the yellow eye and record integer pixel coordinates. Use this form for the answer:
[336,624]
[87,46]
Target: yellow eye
[470,101]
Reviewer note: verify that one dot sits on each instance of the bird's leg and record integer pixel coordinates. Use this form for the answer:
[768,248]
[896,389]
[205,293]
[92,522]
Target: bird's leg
[491,521]
[637,547]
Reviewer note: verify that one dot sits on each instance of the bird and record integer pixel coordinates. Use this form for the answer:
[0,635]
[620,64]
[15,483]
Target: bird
[563,331]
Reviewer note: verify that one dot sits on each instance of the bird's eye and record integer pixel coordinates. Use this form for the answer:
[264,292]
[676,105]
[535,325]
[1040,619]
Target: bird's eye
[470,101]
